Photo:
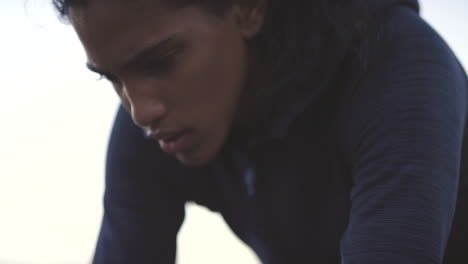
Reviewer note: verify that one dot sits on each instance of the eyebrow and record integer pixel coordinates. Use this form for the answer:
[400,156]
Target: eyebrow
[139,56]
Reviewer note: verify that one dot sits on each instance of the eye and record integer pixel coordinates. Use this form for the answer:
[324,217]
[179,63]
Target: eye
[161,66]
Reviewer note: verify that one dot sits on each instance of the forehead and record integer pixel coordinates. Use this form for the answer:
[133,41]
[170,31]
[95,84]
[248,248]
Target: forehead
[113,15]
[116,28]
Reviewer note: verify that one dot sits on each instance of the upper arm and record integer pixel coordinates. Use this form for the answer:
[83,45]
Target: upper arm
[404,139]
[142,209]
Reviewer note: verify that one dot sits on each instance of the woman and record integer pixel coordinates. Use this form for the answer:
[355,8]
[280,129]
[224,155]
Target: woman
[323,131]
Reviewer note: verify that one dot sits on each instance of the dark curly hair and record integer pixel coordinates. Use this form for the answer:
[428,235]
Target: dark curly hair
[299,36]
[217,6]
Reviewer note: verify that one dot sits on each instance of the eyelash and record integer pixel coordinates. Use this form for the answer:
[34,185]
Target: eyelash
[158,67]
[105,76]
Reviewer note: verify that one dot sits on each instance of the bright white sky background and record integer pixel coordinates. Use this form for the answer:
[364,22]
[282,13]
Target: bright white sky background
[54,123]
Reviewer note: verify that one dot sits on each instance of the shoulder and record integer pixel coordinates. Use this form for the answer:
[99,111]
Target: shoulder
[413,70]
[409,55]
[406,40]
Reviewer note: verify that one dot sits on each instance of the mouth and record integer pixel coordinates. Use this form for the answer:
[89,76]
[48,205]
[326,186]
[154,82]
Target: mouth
[172,142]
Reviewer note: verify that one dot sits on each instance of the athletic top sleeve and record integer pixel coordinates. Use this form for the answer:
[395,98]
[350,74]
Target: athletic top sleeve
[404,137]
[142,212]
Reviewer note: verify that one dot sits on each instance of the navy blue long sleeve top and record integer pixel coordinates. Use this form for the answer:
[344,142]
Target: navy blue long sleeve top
[371,170]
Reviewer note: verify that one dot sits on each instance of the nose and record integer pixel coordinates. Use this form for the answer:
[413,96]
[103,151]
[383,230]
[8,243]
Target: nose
[145,108]
[146,114]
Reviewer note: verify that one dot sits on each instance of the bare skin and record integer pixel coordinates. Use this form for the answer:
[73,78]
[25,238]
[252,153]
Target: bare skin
[180,73]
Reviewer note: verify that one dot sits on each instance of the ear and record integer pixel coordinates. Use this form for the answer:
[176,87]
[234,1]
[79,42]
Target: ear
[249,16]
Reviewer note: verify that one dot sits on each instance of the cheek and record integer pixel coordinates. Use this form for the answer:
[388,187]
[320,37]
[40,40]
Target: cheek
[212,81]
[212,98]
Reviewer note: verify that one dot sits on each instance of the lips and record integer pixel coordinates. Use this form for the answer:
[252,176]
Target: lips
[171,142]
[167,137]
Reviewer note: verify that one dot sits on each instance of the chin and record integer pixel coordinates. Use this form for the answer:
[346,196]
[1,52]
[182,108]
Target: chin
[195,159]
[191,162]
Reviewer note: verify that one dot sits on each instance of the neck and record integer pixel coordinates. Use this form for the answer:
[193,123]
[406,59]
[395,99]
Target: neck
[255,103]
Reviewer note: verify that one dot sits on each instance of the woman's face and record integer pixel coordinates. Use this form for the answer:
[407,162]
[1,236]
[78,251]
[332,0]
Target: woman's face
[178,72]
